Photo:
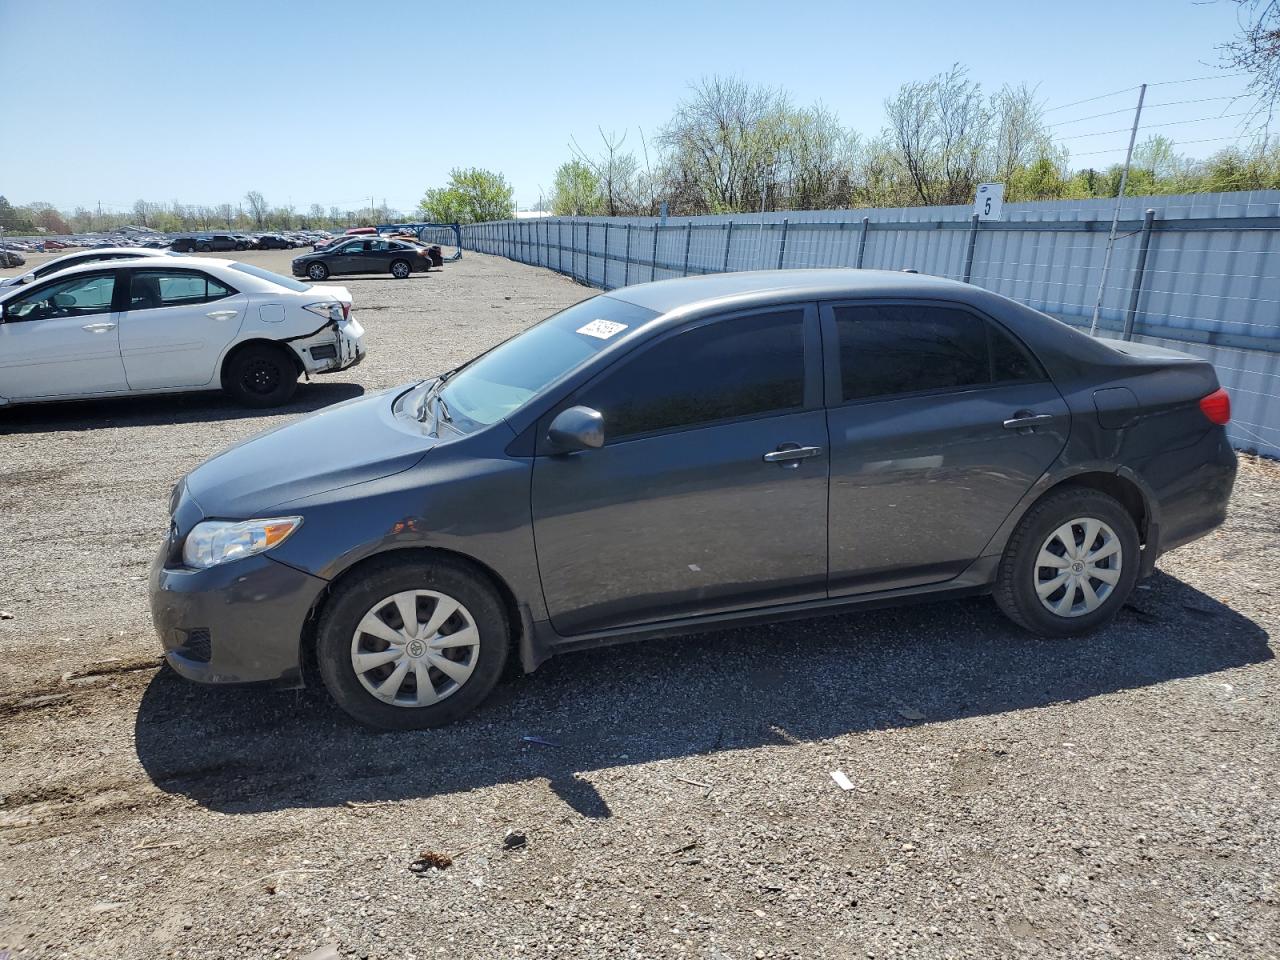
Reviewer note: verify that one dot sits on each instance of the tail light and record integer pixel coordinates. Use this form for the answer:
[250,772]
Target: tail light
[1217,407]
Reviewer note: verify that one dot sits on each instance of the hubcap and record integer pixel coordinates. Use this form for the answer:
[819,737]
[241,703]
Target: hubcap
[317,272]
[1078,566]
[415,648]
[261,376]
[401,271]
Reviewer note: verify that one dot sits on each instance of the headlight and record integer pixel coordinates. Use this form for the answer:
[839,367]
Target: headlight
[329,309]
[212,542]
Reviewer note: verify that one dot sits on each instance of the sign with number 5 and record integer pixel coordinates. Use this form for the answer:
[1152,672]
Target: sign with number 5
[989,200]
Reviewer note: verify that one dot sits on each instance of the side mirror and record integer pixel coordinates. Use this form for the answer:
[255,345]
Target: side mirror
[26,278]
[577,428]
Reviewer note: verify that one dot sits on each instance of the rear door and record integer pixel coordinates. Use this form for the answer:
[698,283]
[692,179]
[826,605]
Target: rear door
[710,492]
[176,325]
[940,421]
[60,338]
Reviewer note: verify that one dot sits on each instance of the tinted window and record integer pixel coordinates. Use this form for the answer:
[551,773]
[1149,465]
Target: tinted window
[79,296]
[901,348]
[1010,359]
[742,367]
[156,288]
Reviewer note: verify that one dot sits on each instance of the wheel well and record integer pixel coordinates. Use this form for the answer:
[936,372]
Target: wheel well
[508,597]
[240,348]
[1125,491]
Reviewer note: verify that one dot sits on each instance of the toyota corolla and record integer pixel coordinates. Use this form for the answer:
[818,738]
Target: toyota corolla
[683,455]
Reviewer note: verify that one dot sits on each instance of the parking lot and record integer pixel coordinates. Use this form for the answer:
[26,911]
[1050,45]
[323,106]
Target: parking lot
[1110,796]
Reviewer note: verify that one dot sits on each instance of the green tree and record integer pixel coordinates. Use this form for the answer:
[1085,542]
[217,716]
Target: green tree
[576,191]
[472,196]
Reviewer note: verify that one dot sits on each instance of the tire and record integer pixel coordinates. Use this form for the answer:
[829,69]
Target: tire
[241,246]
[318,271]
[400,269]
[203,247]
[1026,571]
[261,375]
[372,596]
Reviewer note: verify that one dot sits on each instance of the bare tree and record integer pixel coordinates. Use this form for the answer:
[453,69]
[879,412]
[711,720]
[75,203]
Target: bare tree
[1019,134]
[614,170]
[940,128]
[1255,50]
[257,208]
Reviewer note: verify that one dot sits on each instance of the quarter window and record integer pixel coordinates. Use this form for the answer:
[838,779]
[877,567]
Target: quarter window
[150,289]
[889,349]
[79,296]
[750,366]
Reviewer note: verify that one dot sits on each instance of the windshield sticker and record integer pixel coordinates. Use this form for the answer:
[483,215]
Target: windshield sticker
[602,329]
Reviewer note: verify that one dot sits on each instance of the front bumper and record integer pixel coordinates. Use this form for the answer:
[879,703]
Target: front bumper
[240,622]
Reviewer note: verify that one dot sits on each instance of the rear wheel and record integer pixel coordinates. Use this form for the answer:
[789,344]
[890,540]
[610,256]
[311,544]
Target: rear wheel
[400,269]
[412,644]
[203,247]
[261,375]
[318,271]
[1070,565]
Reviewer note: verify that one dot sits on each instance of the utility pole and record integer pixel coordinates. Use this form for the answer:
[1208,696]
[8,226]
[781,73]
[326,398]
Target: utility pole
[1115,217]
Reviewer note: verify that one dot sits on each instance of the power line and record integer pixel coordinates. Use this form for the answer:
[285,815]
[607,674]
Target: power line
[1167,123]
[1076,103]
[1150,106]
[1181,143]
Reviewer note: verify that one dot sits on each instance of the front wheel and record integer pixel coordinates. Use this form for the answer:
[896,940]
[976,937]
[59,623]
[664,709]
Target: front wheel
[318,271]
[261,375]
[412,644]
[400,270]
[1070,565]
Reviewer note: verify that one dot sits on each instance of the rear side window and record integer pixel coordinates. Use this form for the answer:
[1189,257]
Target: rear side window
[891,349]
[740,367]
[149,289]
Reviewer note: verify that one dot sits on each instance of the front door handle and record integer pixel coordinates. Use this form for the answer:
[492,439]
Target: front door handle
[99,327]
[790,454]
[1026,420]
[222,314]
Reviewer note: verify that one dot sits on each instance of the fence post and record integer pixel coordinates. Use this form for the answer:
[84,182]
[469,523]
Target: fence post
[782,247]
[728,240]
[1138,270]
[559,246]
[862,240]
[604,277]
[653,261]
[973,242]
[688,239]
[626,261]
[586,257]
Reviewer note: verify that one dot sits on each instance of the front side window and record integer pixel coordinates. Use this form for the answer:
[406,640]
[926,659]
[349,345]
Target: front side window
[740,367]
[150,289]
[892,349]
[80,296]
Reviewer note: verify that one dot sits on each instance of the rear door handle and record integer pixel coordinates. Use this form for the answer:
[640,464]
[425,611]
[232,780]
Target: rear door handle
[1026,421]
[99,327]
[790,454]
[221,314]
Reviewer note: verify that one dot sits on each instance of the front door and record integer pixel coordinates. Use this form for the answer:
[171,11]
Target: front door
[61,339]
[928,456]
[176,325]
[710,492]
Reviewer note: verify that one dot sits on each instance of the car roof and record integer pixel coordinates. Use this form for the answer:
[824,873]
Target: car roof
[686,295]
[213,265]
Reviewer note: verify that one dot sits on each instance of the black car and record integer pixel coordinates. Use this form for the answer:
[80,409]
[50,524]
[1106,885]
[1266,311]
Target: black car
[272,241]
[222,241]
[363,255]
[693,453]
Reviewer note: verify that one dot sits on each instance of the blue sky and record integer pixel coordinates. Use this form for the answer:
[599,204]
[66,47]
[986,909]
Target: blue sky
[331,102]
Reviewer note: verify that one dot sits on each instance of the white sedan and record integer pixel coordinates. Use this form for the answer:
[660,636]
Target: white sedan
[67,261]
[152,325]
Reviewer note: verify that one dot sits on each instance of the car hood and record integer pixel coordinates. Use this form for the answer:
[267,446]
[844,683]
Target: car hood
[352,442]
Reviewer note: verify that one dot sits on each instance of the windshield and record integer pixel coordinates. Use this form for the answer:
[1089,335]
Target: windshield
[287,282]
[503,380]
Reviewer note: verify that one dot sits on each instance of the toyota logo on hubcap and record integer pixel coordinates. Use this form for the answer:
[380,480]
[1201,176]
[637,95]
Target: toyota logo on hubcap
[417,648]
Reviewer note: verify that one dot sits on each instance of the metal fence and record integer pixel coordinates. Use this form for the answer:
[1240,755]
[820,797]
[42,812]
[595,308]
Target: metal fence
[1198,273]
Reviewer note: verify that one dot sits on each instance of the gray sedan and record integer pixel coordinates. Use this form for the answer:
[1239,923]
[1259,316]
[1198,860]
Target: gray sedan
[688,454]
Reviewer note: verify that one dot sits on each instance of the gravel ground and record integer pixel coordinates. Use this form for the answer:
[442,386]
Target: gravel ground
[1110,796]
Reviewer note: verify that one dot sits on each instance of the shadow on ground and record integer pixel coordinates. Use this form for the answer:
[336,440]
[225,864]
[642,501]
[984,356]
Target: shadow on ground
[249,750]
[163,409]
